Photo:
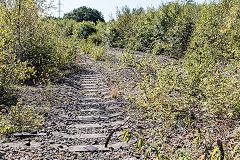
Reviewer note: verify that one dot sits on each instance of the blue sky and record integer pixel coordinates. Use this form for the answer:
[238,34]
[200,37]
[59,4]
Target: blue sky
[107,7]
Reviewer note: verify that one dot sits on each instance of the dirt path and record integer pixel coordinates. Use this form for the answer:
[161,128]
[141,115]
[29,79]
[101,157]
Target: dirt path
[78,126]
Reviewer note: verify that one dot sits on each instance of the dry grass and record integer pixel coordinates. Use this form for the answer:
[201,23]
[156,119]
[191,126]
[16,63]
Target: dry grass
[114,88]
[114,91]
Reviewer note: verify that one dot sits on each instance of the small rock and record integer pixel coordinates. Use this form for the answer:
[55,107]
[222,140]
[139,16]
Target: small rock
[91,148]
[28,143]
[95,143]
[60,146]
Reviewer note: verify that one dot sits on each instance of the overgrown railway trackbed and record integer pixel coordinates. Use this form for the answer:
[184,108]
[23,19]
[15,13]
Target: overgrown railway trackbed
[83,121]
[99,114]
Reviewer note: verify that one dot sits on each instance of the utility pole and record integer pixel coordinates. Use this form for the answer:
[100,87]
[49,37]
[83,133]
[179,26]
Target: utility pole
[59,8]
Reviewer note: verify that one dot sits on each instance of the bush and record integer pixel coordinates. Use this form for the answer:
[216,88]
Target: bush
[197,85]
[20,119]
[181,95]
[113,36]
[95,39]
[86,47]
[13,68]
[37,39]
[35,51]
[166,30]
[217,30]
[69,27]
[177,29]
[32,48]
[189,94]
[12,72]
[98,53]
[128,58]
[84,30]
[119,33]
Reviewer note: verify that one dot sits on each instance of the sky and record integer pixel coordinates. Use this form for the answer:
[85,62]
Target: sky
[107,7]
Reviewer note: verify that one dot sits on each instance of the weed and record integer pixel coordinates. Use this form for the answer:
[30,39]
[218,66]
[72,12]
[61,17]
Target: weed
[114,91]
[178,95]
[87,48]
[98,53]
[128,58]
[20,118]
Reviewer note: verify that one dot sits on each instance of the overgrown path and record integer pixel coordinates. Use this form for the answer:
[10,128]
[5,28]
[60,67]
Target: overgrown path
[78,126]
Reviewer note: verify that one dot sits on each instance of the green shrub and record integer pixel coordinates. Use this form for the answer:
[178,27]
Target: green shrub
[98,53]
[177,30]
[113,36]
[36,51]
[95,39]
[37,40]
[12,72]
[166,30]
[86,47]
[119,33]
[145,31]
[85,29]
[32,48]
[197,85]
[178,95]
[101,28]
[13,69]
[128,58]
[217,29]
[68,28]
[20,119]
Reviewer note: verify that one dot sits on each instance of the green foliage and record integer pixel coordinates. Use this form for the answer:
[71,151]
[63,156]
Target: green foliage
[214,87]
[13,69]
[98,53]
[176,95]
[86,47]
[99,37]
[85,29]
[20,119]
[201,86]
[95,39]
[113,36]
[85,14]
[32,48]
[37,40]
[128,58]
[69,27]
[217,29]
[166,30]
[153,145]
[176,27]
[176,22]
[126,23]
[120,32]
[12,72]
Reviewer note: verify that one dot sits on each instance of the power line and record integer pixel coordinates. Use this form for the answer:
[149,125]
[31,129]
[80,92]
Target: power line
[59,8]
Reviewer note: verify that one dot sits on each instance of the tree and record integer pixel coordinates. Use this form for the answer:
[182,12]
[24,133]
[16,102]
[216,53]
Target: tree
[85,14]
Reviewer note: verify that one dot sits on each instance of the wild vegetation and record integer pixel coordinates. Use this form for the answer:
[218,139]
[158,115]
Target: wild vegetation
[32,50]
[85,14]
[196,95]
[193,100]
